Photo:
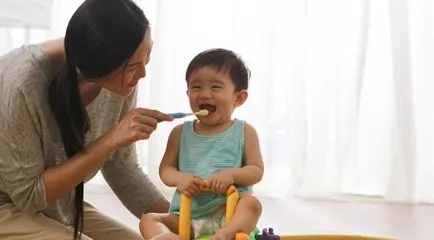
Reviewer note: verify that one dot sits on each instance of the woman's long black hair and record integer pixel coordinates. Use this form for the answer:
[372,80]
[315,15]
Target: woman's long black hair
[100,38]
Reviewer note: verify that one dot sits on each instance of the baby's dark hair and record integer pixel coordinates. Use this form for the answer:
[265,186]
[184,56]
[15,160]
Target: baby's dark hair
[222,59]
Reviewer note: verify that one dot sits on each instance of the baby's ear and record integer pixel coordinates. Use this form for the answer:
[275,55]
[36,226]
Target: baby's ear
[240,97]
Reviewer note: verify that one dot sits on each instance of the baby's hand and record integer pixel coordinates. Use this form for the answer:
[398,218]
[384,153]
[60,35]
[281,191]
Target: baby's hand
[189,184]
[219,182]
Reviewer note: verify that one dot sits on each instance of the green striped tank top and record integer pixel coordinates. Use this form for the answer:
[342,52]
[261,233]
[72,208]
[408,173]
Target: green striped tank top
[205,155]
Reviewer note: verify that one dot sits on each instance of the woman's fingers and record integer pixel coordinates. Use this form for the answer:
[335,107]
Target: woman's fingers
[140,123]
[147,121]
[159,116]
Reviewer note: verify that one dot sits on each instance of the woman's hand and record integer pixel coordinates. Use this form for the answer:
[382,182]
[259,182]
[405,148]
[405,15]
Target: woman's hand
[138,124]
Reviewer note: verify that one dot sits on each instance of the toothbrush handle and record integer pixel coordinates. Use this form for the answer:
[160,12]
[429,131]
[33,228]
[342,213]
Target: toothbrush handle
[178,115]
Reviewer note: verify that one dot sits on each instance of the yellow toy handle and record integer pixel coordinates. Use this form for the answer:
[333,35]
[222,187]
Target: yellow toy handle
[185,210]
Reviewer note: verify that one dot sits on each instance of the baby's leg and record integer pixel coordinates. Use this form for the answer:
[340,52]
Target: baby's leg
[245,218]
[165,226]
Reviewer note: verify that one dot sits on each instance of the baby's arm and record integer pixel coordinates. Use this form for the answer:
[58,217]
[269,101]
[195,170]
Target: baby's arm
[253,169]
[249,208]
[168,170]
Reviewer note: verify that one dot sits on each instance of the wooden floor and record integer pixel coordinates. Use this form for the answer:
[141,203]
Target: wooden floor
[295,216]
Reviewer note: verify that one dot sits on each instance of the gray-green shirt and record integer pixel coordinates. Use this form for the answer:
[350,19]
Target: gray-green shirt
[30,140]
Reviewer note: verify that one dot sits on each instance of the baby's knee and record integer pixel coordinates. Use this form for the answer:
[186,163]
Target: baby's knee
[147,219]
[252,203]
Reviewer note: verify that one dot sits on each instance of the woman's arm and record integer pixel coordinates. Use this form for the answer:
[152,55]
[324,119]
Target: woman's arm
[22,162]
[131,185]
[62,178]
[128,181]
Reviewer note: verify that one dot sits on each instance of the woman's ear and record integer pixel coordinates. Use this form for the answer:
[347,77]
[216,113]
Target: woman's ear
[240,97]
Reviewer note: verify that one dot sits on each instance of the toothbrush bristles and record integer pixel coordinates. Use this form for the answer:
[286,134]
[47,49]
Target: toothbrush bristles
[202,112]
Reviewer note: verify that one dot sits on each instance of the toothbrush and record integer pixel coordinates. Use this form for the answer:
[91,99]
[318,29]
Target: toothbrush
[202,112]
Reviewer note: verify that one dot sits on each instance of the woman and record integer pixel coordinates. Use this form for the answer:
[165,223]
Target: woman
[66,111]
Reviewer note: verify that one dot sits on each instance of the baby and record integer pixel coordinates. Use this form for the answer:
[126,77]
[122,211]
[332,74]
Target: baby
[216,148]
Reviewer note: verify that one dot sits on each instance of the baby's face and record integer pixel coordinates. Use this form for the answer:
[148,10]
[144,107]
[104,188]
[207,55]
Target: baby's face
[214,91]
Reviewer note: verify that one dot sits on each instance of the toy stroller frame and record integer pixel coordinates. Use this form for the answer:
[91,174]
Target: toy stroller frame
[185,214]
[231,204]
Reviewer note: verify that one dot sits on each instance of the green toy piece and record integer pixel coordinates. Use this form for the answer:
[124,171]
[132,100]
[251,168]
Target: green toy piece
[252,235]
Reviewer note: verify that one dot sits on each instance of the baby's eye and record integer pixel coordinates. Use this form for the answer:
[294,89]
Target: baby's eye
[195,87]
[216,86]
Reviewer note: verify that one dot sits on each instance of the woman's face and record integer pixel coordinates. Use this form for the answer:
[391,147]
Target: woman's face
[124,80]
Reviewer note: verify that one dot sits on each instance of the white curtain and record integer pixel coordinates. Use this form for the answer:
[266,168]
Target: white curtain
[23,21]
[341,91]
[25,13]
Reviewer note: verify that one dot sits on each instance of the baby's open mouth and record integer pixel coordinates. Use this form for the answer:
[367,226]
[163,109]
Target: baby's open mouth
[209,107]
